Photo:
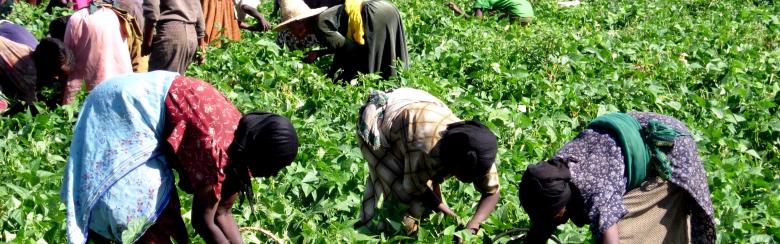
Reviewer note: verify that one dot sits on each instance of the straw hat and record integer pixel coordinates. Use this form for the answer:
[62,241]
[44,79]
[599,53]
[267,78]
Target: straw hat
[294,10]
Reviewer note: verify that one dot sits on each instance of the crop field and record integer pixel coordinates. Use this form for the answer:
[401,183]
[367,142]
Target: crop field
[713,64]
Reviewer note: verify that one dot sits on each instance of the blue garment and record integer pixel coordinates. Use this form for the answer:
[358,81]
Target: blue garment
[18,34]
[117,171]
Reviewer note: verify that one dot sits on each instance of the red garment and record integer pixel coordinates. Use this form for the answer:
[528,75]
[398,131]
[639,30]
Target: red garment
[199,127]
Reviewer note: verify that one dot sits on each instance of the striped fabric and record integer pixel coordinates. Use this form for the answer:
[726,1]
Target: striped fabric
[410,164]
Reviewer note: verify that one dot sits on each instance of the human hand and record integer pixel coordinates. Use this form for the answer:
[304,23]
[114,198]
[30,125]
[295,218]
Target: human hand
[263,24]
[200,55]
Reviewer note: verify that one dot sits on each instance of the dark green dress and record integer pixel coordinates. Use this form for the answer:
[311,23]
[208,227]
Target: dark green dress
[385,41]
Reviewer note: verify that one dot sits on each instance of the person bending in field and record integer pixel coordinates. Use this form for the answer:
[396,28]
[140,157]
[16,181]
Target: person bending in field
[517,10]
[17,33]
[286,39]
[412,143]
[133,129]
[99,40]
[365,37]
[634,177]
[25,73]
[249,7]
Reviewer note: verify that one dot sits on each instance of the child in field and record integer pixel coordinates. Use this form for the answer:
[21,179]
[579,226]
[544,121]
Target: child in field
[412,143]
[133,129]
[634,177]
[517,10]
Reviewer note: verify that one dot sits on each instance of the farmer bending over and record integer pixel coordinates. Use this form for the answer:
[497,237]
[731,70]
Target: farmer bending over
[99,39]
[633,177]
[25,73]
[365,36]
[135,128]
[517,10]
[412,143]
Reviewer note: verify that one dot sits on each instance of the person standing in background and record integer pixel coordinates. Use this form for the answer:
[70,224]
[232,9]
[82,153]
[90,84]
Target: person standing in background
[173,31]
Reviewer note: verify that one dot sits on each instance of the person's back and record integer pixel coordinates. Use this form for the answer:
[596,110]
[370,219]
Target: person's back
[17,33]
[172,31]
[99,46]
[17,73]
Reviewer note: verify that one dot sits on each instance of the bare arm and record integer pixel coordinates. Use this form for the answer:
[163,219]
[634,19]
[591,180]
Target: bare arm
[431,198]
[204,211]
[611,235]
[485,206]
[458,11]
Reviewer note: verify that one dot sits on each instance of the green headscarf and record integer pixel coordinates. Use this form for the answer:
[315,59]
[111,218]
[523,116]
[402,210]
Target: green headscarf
[641,147]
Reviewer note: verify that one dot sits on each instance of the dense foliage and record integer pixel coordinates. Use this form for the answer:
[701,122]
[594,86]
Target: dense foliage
[714,64]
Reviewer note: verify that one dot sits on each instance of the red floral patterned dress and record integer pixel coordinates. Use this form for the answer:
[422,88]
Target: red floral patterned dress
[199,126]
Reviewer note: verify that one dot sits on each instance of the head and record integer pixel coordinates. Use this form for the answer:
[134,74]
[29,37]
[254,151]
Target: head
[548,198]
[57,27]
[298,17]
[469,149]
[301,28]
[53,63]
[264,144]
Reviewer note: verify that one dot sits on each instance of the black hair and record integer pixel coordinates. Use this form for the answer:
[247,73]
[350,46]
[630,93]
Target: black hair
[263,144]
[57,27]
[51,57]
[469,147]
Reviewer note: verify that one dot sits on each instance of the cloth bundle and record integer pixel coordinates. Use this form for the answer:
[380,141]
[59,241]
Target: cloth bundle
[641,147]
[381,108]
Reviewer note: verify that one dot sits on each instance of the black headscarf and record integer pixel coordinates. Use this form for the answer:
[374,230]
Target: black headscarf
[263,144]
[469,144]
[544,190]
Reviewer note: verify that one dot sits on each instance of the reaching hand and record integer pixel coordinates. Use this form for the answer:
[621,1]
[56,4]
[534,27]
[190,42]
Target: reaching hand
[200,54]
[263,24]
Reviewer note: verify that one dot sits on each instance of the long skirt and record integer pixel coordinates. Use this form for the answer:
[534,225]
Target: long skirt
[385,48]
[220,20]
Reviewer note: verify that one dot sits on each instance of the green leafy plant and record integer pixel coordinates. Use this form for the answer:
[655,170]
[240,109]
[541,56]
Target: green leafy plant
[714,65]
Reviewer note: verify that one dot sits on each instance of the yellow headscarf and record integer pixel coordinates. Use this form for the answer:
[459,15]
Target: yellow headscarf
[355,28]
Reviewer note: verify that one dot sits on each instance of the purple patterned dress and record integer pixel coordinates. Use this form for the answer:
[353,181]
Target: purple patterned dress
[597,170]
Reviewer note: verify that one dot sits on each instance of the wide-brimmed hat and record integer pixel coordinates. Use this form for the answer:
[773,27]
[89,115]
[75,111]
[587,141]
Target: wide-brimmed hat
[294,10]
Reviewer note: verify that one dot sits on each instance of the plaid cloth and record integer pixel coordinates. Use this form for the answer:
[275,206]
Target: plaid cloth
[409,164]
